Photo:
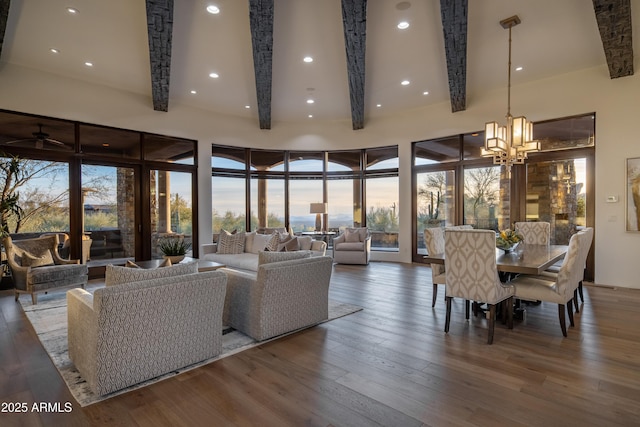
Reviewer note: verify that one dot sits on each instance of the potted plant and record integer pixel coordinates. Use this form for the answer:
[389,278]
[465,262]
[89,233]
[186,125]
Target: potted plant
[174,248]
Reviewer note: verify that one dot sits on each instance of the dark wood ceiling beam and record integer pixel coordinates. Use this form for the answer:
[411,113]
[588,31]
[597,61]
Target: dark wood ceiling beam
[354,21]
[261,20]
[454,25]
[160,32]
[614,22]
[4,16]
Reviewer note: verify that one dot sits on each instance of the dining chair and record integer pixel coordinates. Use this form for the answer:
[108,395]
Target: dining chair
[534,233]
[472,274]
[434,241]
[561,290]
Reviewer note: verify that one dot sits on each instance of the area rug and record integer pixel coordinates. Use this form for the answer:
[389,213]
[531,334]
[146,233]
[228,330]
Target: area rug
[49,319]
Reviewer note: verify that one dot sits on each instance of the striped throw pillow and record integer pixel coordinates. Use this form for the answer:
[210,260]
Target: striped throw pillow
[231,243]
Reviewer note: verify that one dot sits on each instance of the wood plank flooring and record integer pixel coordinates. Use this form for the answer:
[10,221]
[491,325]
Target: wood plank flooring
[388,365]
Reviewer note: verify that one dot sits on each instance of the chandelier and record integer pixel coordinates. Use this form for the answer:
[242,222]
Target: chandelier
[509,145]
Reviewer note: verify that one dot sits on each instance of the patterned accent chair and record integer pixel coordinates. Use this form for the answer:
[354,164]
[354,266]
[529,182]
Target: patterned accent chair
[472,274]
[561,290]
[534,233]
[353,246]
[131,332]
[434,241]
[37,267]
[285,295]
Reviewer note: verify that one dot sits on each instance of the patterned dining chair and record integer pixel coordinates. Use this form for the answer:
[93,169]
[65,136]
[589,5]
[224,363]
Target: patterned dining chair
[561,290]
[534,233]
[472,274]
[434,241]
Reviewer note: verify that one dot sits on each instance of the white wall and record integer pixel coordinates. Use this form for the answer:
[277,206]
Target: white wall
[614,102]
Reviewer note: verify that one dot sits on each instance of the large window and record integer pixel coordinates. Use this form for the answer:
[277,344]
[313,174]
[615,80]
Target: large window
[284,184]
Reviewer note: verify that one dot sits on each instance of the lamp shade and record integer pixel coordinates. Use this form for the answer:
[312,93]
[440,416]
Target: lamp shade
[318,208]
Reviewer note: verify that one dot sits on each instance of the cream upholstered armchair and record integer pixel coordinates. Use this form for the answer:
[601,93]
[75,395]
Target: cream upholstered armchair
[534,233]
[472,274]
[290,291]
[37,267]
[353,246]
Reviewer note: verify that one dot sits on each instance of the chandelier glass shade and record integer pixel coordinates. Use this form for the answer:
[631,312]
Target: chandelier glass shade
[509,144]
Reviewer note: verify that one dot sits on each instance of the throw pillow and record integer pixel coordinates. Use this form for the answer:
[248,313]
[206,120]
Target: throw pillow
[268,257]
[292,245]
[259,243]
[284,238]
[273,243]
[351,236]
[231,243]
[30,260]
[116,275]
[305,242]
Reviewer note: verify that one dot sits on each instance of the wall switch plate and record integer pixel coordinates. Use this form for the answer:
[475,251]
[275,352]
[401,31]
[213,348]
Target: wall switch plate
[612,199]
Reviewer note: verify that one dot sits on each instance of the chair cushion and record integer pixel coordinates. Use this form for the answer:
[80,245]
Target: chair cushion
[115,275]
[268,257]
[231,243]
[56,275]
[348,246]
[351,236]
[32,260]
[259,243]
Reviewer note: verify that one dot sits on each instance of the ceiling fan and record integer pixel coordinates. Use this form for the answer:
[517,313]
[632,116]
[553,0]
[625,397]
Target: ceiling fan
[40,138]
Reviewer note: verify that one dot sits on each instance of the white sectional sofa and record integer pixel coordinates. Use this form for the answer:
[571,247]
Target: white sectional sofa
[245,256]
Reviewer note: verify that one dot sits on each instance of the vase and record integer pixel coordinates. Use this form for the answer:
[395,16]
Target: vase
[508,248]
[174,258]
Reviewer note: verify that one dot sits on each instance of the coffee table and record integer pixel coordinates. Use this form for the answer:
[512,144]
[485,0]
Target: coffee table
[203,265]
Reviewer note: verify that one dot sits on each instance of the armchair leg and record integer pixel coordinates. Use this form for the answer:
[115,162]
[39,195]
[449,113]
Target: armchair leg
[492,322]
[466,309]
[563,324]
[448,316]
[510,313]
[435,294]
[34,298]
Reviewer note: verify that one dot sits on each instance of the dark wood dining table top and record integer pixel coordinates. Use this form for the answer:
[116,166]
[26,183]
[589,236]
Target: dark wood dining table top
[525,259]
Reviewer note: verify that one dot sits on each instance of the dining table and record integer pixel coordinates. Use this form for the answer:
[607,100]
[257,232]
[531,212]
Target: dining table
[524,259]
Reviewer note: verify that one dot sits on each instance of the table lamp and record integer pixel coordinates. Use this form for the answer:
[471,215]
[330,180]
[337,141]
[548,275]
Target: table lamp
[318,209]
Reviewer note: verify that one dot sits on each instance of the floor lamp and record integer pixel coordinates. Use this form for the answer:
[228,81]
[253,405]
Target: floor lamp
[319,209]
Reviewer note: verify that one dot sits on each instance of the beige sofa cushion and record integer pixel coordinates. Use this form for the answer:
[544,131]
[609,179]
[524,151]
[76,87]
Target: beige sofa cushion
[268,257]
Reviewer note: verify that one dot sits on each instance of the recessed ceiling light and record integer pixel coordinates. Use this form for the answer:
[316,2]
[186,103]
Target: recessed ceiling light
[308,59]
[475,134]
[105,144]
[310,101]
[54,50]
[193,92]
[310,116]
[405,82]
[247,106]
[403,25]
[378,105]
[214,75]
[425,92]
[88,64]
[213,9]
[519,68]
[72,10]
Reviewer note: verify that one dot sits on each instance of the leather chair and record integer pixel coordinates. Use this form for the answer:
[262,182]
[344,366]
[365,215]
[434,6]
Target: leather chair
[472,274]
[37,267]
[353,246]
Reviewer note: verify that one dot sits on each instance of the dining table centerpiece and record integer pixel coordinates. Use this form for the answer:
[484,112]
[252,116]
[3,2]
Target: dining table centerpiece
[507,240]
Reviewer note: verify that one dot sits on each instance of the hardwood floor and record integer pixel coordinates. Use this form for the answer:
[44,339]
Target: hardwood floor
[390,364]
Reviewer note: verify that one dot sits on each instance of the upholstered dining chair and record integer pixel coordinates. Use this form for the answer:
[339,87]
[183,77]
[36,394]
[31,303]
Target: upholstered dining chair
[434,241]
[472,274]
[534,233]
[560,290]
[37,267]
